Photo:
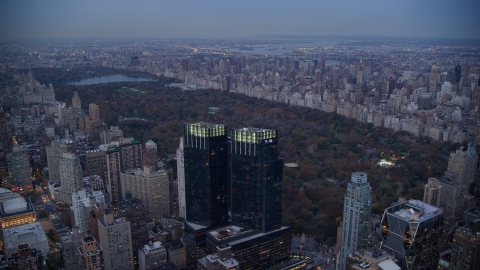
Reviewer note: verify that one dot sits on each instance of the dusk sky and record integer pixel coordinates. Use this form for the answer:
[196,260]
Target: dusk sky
[51,19]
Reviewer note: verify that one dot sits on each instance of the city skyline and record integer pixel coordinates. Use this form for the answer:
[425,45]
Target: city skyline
[47,20]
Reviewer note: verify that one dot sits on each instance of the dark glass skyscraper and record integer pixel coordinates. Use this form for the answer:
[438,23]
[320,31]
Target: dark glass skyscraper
[205,180]
[206,174]
[256,178]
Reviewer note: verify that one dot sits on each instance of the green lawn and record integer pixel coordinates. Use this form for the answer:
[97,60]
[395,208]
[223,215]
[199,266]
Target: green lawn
[132,91]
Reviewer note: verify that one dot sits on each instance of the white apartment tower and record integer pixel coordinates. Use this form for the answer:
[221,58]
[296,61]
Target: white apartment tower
[356,216]
[70,172]
[181,180]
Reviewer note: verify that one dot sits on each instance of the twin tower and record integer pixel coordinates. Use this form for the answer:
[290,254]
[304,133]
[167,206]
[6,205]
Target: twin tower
[238,170]
[230,194]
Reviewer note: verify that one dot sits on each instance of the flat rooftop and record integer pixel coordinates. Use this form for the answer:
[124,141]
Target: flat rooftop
[15,207]
[416,210]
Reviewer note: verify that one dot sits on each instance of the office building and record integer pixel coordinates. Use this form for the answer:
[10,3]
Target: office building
[205,183]
[70,173]
[151,155]
[152,255]
[82,204]
[94,112]
[32,234]
[151,187]
[135,212]
[446,195]
[20,170]
[116,242]
[253,249]
[26,257]
[462,167]
[256,178]
[411,231]
[90,254]
[357,210]
[176,254]
[206,174]
[16,212]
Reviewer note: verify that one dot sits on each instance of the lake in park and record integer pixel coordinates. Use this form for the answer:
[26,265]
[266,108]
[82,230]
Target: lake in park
[110,79]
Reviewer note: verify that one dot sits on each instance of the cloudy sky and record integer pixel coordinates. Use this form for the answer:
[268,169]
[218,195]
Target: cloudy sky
[52,19]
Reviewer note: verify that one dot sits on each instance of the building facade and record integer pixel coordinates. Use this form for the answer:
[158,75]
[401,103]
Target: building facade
[116,242]
[152,255]
[19,168]
[411,231]
[357,210]
[70,173]
[151,187]
[256,178]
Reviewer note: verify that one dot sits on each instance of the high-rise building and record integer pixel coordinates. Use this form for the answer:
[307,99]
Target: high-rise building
[116,242]
[19,168]
[70,172]
[152,255]
[357,210]
[432,89]
[151,187]
[411,231]
[462,167]
[256,178]
[151,155]
[135,212]
[458,73]
[205,172]
[76,102]
[465,250]
[182,209]
[90,254]
[5,143]
[445,194]
[54,152]
[131,154]
[82,204]
[114,170]
[94,112]
[70,244]
[176,254]
[122,156]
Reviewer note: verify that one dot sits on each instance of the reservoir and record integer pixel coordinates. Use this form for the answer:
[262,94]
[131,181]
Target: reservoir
[110,79]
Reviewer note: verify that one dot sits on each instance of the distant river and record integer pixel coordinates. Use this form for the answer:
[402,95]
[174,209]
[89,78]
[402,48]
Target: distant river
[109,79]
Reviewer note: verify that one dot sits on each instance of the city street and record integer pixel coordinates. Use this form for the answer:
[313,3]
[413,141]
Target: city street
[315,252]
